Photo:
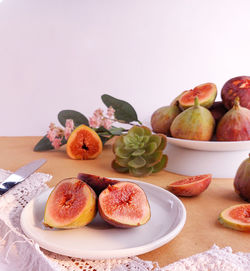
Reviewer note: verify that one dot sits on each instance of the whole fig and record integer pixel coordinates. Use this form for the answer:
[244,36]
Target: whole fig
[218,110]
[195,123]
[163,117]
[242,180]
[235,124]
[236,87]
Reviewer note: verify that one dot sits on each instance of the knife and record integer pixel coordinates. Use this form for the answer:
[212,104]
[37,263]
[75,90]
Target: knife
[20,175]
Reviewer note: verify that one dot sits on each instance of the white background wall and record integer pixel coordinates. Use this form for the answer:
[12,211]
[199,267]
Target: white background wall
[64,54]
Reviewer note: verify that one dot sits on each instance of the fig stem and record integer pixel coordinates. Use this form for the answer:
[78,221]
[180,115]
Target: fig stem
[196,101]
[236,102]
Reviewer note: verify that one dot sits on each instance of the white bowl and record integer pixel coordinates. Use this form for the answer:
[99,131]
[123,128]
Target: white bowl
[192,157]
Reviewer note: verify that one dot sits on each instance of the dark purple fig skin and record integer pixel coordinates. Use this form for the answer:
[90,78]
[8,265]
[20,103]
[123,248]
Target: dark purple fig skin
[236,87]
[97,183]
[218,110]
[242,180]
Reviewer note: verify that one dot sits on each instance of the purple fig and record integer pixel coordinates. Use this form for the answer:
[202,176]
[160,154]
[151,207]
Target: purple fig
[235,124]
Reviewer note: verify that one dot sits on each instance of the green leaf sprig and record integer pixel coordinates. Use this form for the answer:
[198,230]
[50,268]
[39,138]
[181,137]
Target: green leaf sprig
[124,113]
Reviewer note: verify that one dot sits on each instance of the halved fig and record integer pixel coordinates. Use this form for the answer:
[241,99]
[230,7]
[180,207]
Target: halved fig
[84,143]
[97,183]
[124,205]
[191,186]
[206,94]
[236,217]
[71,204]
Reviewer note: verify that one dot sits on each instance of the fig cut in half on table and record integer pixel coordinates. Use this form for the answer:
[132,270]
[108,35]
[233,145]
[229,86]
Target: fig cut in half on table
[124,205]
[84,143]
[191,186]
[71,204]
[236,217]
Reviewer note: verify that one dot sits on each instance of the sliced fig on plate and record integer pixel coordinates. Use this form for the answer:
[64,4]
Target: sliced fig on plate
[97,183]
[124,205]
[236,217]
[71,204]
[191,186]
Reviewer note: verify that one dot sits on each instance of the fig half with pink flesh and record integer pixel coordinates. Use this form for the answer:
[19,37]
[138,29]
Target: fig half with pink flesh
[71,204]
[191,186]
[124,205]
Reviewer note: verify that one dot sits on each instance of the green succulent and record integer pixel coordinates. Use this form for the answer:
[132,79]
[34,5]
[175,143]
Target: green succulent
[139,152]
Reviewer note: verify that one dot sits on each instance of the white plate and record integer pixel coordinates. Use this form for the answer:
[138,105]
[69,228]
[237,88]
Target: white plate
[210,145]
[98,240]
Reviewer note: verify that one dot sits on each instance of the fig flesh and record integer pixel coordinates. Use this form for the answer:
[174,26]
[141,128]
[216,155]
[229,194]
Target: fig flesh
[97,183]
[235,124]
[84,143]
[242,180]
[236,87]
[71,204]
[192,186]
[206,94]
[163,117]
[124,205]
[195,123]
[236,217]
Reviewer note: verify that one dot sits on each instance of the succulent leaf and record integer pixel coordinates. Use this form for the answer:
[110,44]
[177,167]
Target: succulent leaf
[140,172]
[122,153]
[161,165]
[118,168]
[139,152]
[123,162]
[137,162]
[151,148]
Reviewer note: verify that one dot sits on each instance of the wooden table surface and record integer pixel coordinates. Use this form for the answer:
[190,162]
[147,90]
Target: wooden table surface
[201,229]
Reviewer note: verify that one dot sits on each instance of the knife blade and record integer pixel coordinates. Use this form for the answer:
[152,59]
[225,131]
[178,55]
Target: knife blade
[20,175]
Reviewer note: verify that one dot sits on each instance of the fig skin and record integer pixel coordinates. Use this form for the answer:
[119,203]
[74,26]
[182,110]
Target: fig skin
[218,110]
[124,205]
[97,183]
[242,180]
[235,124]
[163,117]
[236,87]
[195,123]
[71,204]
[192,186]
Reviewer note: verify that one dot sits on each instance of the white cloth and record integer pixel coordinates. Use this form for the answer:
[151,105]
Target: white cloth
[19,253]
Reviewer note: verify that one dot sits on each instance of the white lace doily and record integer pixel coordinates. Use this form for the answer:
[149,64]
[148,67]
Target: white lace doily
[23,254]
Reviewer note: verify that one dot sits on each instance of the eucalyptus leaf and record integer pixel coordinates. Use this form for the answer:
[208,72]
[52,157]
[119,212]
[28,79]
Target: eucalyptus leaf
[116,131]
[76,116]
[123,110]
[43,145]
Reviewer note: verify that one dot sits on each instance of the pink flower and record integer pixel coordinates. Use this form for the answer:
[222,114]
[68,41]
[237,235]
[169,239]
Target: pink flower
[69,127]
[107,123]
[98,113]
[69,124]
[94,122]
[110,112]
[56,143]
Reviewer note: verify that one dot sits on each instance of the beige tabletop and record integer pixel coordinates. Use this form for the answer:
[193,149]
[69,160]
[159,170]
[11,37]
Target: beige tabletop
[201,229]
